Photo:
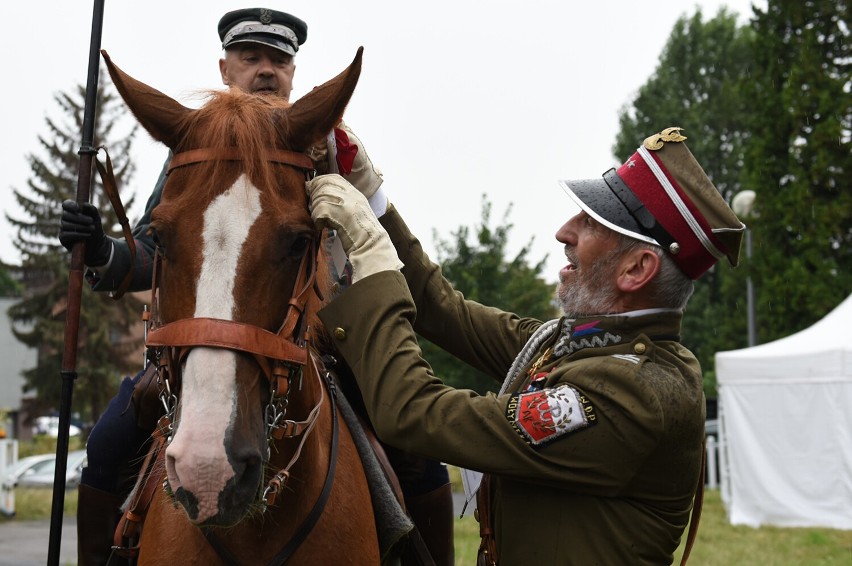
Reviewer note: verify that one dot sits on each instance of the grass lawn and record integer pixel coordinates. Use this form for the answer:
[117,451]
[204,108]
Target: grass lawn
[718,542]
[721,544]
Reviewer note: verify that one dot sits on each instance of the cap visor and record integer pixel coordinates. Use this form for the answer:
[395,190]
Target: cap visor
[597,200]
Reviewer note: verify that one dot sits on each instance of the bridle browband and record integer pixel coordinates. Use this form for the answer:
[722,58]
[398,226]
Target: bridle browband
[281,156]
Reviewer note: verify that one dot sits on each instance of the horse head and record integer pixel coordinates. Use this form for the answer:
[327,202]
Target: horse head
[236,280]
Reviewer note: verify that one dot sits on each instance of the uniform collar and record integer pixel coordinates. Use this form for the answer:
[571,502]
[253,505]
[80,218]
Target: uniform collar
[610,329]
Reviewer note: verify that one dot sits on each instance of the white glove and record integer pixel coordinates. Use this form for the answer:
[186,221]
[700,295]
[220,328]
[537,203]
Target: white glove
[336,204]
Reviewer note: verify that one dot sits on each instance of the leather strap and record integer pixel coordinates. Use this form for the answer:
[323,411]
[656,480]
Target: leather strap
[487,555]
[282,156]
[111,190]
[229,334]
[315,513]
[129,529]
[697,505]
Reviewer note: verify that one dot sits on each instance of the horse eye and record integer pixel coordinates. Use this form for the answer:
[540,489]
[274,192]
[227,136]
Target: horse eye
[299,246]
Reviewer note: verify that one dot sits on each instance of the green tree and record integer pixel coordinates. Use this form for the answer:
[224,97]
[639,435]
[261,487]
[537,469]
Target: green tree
[8,286]
[799,163]
[698,85]
[102,350]
[481,271]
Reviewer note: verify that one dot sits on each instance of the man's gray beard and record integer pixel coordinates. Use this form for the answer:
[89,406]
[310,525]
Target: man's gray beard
[594,291]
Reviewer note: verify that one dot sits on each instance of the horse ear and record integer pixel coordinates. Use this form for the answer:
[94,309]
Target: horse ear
[316,113]
[158,113]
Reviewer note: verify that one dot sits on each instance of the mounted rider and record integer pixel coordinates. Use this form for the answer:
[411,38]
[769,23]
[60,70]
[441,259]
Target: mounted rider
[259,49]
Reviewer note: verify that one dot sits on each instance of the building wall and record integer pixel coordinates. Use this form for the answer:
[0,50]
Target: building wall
[15,358]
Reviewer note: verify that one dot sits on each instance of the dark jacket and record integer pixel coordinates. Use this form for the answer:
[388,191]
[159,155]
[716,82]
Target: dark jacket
[110,279]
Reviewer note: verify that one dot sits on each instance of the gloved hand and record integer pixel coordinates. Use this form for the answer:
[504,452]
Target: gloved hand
[336,204]
[82,223]
[364,175]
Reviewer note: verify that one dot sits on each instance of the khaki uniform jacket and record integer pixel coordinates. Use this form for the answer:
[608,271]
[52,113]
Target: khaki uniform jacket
[597,463]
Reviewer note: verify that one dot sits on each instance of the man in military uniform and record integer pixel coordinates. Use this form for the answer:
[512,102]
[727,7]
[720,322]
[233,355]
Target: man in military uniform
[259,49]
[593,444]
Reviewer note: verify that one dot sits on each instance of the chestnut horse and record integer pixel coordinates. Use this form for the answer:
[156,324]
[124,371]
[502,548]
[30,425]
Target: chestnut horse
[259,466]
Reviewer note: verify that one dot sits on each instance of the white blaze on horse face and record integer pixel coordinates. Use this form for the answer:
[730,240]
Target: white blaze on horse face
[209,395]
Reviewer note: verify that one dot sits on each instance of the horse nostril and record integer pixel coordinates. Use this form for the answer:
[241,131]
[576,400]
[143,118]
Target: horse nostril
[249,466]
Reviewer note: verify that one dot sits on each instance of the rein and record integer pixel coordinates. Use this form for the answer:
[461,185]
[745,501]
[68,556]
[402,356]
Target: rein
[283,356]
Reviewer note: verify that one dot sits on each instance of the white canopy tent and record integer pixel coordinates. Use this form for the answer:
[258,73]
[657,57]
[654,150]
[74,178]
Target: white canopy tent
[785,412]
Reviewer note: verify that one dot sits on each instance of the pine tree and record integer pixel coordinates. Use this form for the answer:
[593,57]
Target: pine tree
[8,286]
[103,348]
[482,272]
[697,85]
[799,163]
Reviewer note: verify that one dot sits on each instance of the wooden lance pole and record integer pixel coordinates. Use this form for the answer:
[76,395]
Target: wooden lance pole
[68,371]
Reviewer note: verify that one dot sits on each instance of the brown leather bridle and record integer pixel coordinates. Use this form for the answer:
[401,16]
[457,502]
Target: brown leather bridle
[283,356]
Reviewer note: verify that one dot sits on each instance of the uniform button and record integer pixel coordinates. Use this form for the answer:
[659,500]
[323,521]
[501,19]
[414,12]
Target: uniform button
[339,333]
[639,348]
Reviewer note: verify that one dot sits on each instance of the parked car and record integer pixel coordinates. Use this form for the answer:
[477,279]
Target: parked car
[28,466]
[45,477]
[49,425]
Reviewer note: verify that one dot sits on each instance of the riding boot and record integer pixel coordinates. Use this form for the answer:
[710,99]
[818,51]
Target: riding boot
[98,513]
[432,513]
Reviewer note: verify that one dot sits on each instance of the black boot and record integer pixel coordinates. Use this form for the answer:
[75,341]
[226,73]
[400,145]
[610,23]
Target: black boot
[98,513]
[432,513]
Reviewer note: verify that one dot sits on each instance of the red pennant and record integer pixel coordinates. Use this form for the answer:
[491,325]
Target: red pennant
[346,151]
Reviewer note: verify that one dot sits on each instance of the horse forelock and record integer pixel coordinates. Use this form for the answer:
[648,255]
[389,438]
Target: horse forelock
[251,123]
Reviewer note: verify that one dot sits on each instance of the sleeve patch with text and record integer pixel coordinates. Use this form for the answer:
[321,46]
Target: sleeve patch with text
[543,416]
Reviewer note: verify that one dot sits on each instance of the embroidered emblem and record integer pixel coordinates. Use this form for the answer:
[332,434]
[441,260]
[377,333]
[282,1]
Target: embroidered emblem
[627,357]
[265,16]
[541,417]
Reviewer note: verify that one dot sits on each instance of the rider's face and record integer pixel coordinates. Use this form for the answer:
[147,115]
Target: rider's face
[258,69]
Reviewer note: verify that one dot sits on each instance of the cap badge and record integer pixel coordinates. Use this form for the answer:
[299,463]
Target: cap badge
[657,141]
[265,16]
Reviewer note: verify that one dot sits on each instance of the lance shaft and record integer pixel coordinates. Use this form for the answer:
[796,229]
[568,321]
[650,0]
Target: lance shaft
[75,288]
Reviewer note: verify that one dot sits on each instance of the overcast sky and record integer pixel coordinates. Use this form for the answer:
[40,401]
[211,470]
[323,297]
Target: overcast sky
[456,98]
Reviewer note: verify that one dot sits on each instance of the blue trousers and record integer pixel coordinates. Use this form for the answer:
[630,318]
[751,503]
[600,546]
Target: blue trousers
[115,442]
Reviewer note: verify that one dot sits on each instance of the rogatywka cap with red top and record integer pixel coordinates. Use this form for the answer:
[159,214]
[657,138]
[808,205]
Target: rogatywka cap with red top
[662,196]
